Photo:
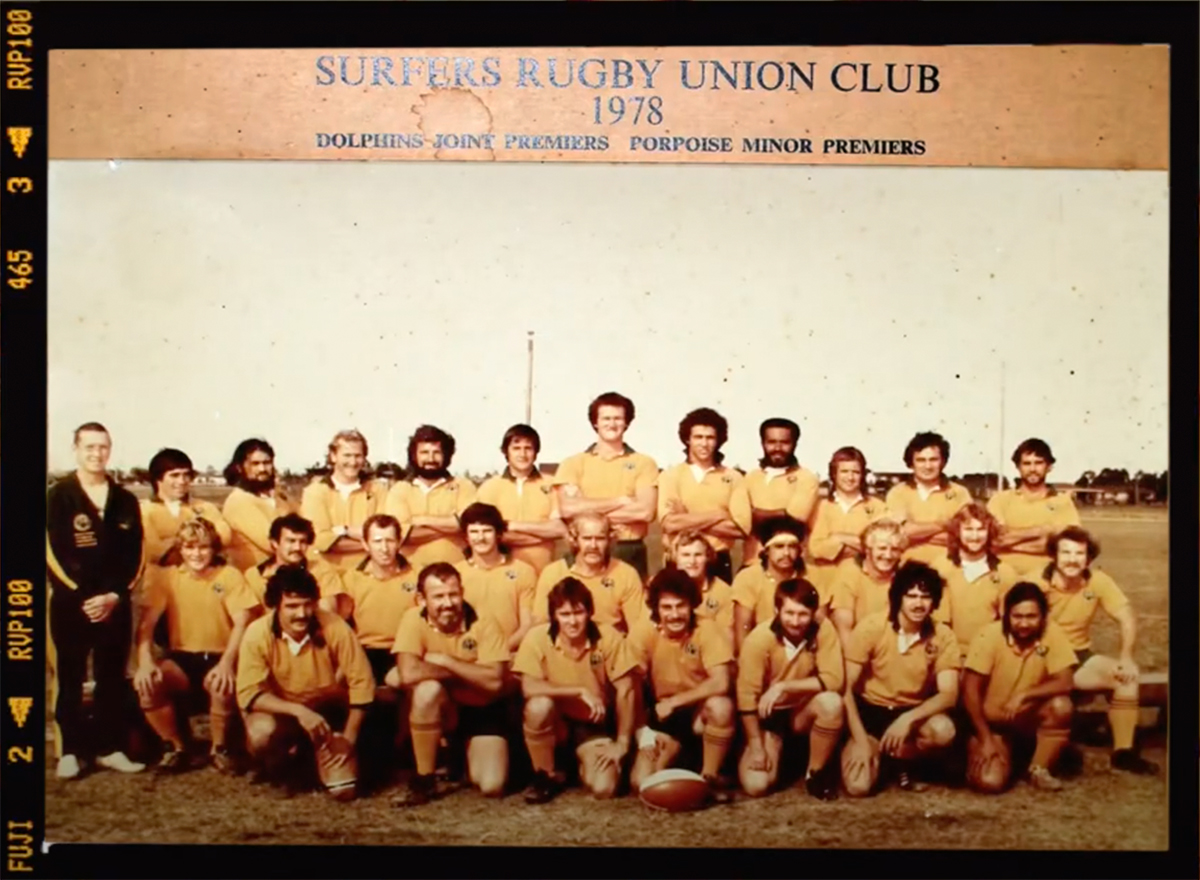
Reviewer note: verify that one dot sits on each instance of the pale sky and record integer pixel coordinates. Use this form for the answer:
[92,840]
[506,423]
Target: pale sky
[194,304]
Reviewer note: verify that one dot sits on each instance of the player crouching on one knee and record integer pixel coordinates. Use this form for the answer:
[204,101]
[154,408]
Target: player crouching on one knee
[688,662]
[208,606]
[573,674]
[901,681]
[790,676]
[303,679]
[1018,683]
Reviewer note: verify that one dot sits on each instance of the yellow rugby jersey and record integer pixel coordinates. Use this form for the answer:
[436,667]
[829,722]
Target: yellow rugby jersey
[478,640]
[714,492]
[895,680]
[716,603]
[792,492]
[548,660]
[616,592]
[532,501]
[1013,509]
[822,550]
[678,666]
[764,661]
[499,592]
[1009,669]
[969,607]
[855,590]
[328,579]
[447,498]
[250,517]
[904,501]
[379,605]
[199,608]
[330,667]
[1073,610]
[599,477]
[323,505]
[160,525]
[754,588]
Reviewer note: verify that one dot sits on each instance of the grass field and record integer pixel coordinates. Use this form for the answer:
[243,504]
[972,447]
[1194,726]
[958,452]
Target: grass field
[203,807]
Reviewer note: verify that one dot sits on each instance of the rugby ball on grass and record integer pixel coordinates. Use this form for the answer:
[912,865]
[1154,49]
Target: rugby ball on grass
[340,778]
[674,791]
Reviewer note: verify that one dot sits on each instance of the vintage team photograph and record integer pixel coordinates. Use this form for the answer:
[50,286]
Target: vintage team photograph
[551,504]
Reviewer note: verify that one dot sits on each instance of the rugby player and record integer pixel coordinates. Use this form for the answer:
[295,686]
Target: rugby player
[338,504]
[1017,684]
[254,503]
[925,502]
[615,586]
[688,663]
[901,683]
[838,522]
[609,478]
[453,663]
[290,537]
[695,495]
[862,590]
[694,556]
[1033,512]
[428,500]
[782,542]
[301,677]
[790,677]
[208,606]
[579,681]
[780,486]
[526,500]
[170,505]
[1075,592]
[494,584]
[94,560]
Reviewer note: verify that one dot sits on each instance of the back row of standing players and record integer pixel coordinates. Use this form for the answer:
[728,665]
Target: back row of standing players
[820,585]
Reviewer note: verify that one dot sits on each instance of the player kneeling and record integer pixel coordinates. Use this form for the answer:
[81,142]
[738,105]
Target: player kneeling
[573,672]
[1017,685]
[688,661]
[790,675]
[303,679]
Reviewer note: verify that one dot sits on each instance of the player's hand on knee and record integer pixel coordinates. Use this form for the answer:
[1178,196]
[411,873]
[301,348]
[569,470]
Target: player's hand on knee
[1125,672]
[594,704]
[768,701]
[219,681]
[314,725]
[147,680]
[896,735]
[757,758]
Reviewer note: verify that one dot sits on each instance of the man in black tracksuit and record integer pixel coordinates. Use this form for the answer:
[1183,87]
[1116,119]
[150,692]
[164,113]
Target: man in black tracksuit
[93,561]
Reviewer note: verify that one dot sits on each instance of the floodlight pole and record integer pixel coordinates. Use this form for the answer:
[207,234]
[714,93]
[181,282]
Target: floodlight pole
[529,384]
[1000,470]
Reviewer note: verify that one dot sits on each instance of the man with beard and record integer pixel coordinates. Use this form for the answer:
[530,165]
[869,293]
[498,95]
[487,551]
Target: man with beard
[615,586]
[696,495]
[429,500]
[254,503]
[925,502]
[494,584]
[574,674]
[612,480]
[695,557]
[1076,592]
[171,505]
[901,681]
[526,500]
[862,590]
[289,538]
[790,676]
[836,541]
[976,580]
[780,486]
[689,664]
[453,663]
[94,560]
[301,678]
[1018,682]
[338,504]
[1033,512]
[782,542]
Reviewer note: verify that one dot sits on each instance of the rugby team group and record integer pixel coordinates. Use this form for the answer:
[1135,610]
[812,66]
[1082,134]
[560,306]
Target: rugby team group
[919,637]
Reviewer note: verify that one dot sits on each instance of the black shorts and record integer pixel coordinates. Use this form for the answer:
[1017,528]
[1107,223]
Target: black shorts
[580,732]
[679,725]
[877,719]
[489,720]
[382,661]
[195,666]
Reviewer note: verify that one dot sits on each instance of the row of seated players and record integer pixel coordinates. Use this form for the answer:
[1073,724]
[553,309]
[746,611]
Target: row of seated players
[442,640]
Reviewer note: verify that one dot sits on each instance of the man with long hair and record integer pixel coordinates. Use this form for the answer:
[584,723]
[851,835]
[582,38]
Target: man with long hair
[695,557]
[338,503]
[835,544]
[429,500]
[494,583]
[782,543]
[254,502]
[171,505]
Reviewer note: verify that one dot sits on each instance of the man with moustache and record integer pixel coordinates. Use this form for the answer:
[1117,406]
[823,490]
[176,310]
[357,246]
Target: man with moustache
[1033,512]
[695,557]
[290,538]
[782,542]
[495,584]
[429,500]
[836,540]
[925,502]
[612,480]
[254,503]
[171,505]
[526,500]
[338,504]
[780,486]
[696,495]
[860,591]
